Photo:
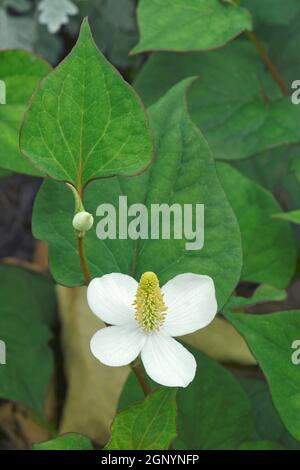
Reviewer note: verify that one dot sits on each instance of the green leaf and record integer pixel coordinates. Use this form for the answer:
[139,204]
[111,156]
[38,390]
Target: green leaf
[71,441]
[183,172]
[269,251]
[241,114]
[183,25]
[213,411]
[263,293]
[261,445]
[272,11]
[85,121]
[150,425]
[21,72]
[293,216]
[270,338]
[272,170]
[25,321]
[268,425]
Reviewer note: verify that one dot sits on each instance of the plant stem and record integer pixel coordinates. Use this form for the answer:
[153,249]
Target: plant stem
[267,60]
[141,377]
[83,260]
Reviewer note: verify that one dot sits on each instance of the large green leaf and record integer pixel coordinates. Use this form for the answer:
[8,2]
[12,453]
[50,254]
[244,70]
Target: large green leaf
[71,441]
[184,172]
[26,307]
[213,411]
[21,72]
[268,425]
[236,103]
[270,338]
[85,121]
[269,251]
[184,25]
[150,425]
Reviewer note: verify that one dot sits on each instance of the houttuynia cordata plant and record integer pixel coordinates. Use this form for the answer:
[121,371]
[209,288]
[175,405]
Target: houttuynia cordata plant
[150,195]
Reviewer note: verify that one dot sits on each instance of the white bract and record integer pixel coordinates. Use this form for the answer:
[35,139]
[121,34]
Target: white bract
[145,319]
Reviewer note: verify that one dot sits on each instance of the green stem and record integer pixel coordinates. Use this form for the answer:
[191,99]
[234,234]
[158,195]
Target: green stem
[83,260]
[141,377]
[80,236]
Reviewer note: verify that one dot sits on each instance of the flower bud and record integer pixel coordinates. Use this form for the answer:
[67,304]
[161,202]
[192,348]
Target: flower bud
[83,221]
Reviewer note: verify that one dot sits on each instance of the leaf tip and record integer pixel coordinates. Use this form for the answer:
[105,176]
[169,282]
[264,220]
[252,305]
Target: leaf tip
[85,29]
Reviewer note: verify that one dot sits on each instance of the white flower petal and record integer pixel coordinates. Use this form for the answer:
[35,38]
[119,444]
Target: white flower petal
[167,362]
[191,302]
[117,345]
[111,298]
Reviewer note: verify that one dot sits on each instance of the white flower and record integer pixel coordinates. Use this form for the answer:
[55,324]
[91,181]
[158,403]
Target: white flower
[145,319]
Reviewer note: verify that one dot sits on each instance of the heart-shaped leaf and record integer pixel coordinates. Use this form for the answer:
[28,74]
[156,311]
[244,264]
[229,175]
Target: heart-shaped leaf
[85,122]
[184,25]
[183,172]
